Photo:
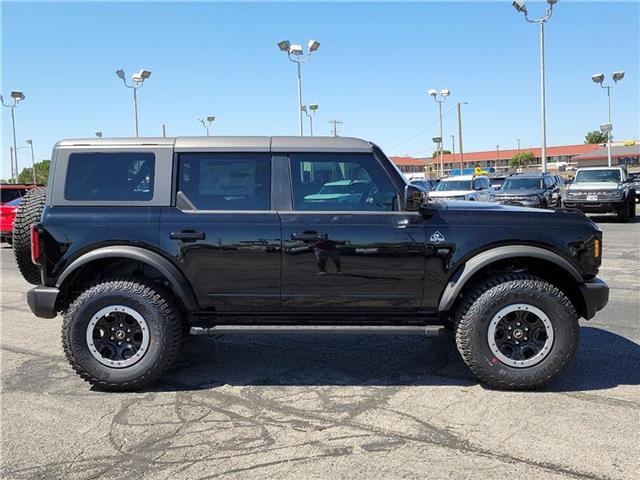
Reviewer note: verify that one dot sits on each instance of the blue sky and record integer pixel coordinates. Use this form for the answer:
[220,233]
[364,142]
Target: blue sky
[375,63]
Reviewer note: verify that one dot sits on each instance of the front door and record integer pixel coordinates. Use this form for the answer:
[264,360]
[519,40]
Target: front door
[222,231]
[346,243]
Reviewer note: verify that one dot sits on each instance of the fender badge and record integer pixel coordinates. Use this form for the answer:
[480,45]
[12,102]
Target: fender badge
[437,237]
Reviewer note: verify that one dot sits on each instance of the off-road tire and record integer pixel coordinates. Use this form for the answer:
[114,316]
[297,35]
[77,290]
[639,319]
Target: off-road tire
[482,301]
[624,212]
[152,303]
[632,206]
[28,213]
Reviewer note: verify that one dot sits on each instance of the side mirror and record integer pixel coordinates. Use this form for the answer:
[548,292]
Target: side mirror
[414,197]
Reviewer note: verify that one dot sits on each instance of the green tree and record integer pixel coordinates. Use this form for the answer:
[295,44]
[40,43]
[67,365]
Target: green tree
[521,160]
[437,153]
[42,173]
[596,137]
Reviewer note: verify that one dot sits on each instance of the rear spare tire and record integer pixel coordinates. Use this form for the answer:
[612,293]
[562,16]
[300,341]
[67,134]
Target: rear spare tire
[29,213]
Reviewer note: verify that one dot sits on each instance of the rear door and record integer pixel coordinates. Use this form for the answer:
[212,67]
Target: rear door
[222,231]
[347,245]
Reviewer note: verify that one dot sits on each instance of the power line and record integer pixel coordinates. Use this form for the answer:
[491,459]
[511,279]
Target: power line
[429,127]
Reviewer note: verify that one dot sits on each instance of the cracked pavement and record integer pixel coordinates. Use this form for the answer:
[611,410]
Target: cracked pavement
[320,406]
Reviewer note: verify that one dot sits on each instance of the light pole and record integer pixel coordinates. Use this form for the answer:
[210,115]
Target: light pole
[210,120]
[296,54]
[519,5]
[33,160]
[438,142]
[313,107]
[443,94]
[518,140]
[17,96]
[599,79]
[137,79]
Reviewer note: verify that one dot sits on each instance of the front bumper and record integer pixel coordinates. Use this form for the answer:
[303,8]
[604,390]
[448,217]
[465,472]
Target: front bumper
[600,206]
[595,295]
[42,301]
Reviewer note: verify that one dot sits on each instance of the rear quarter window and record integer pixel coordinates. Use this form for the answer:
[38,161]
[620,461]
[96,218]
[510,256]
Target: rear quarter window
[117,176]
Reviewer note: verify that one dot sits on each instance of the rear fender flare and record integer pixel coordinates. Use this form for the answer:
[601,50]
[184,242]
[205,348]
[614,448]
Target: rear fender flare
[174,276]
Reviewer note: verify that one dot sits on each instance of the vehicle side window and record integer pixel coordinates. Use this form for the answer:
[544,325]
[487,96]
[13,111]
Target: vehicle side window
[340,182]
[117,176]
[226,181]
[548,182]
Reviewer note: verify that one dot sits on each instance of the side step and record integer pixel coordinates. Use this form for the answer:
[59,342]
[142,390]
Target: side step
[429,330]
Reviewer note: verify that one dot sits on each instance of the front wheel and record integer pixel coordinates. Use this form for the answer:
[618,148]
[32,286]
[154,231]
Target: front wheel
[516,331]
[121,334]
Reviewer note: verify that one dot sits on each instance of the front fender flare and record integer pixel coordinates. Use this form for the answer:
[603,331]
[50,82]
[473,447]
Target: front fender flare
[473,265]
[175,277]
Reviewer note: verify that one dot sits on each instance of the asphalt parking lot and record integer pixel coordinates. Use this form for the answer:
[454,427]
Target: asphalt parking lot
[327,406]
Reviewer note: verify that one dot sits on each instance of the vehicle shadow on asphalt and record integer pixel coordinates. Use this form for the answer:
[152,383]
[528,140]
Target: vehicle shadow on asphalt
[604,360]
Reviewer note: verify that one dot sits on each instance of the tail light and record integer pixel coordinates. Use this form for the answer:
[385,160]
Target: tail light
[35,245]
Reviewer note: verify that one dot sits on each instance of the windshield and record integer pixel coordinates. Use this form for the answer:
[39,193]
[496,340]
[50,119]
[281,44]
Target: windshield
[522,184]
[448,186]
[598,176]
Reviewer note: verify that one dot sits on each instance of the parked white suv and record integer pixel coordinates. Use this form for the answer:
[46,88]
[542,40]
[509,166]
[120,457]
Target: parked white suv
[464,187]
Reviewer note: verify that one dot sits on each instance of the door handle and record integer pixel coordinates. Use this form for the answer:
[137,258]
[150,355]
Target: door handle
[308,237]
[187,236]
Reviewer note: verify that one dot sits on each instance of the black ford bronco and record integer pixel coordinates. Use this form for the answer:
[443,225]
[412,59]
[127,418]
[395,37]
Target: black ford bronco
[139,241]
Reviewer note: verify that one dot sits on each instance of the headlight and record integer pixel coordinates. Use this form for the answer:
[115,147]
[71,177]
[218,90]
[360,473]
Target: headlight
[613,194]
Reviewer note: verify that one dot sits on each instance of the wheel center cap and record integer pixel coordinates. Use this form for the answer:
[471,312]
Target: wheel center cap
[120,334]
[517,333]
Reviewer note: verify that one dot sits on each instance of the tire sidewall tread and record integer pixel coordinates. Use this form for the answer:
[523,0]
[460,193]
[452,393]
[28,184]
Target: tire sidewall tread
[485,300]
[160,314]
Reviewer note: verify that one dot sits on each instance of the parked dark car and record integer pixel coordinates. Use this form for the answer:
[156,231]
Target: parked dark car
[635,182]
[529,190]
[496,182]
[138,241]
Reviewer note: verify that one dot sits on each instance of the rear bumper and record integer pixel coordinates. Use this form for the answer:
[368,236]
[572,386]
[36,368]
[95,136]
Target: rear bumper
[42,301]
[595,295]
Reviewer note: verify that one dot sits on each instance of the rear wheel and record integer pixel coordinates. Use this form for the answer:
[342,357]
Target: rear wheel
[121,334]
[28,213]
[516,331]
[632,207]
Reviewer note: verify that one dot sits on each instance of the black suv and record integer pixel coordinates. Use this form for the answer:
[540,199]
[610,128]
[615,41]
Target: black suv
[138,241]
[538,190]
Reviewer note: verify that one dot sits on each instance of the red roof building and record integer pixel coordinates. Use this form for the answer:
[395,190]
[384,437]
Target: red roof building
[498,159]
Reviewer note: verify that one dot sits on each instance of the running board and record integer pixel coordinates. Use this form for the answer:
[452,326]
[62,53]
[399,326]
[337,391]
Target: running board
[429,330]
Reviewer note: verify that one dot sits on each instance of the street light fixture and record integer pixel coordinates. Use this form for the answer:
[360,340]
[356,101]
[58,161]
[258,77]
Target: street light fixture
[608,127]
[33,160]
[296,54]
[17,96]
[311,108]
[444,93]
[520,6]
[137,79]
[99,134]
[210,120]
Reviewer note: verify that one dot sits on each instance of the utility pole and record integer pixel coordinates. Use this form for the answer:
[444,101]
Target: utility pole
[518,144]
[164,131]
[335,124]
[497,155]
[453,144]
[458,107]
